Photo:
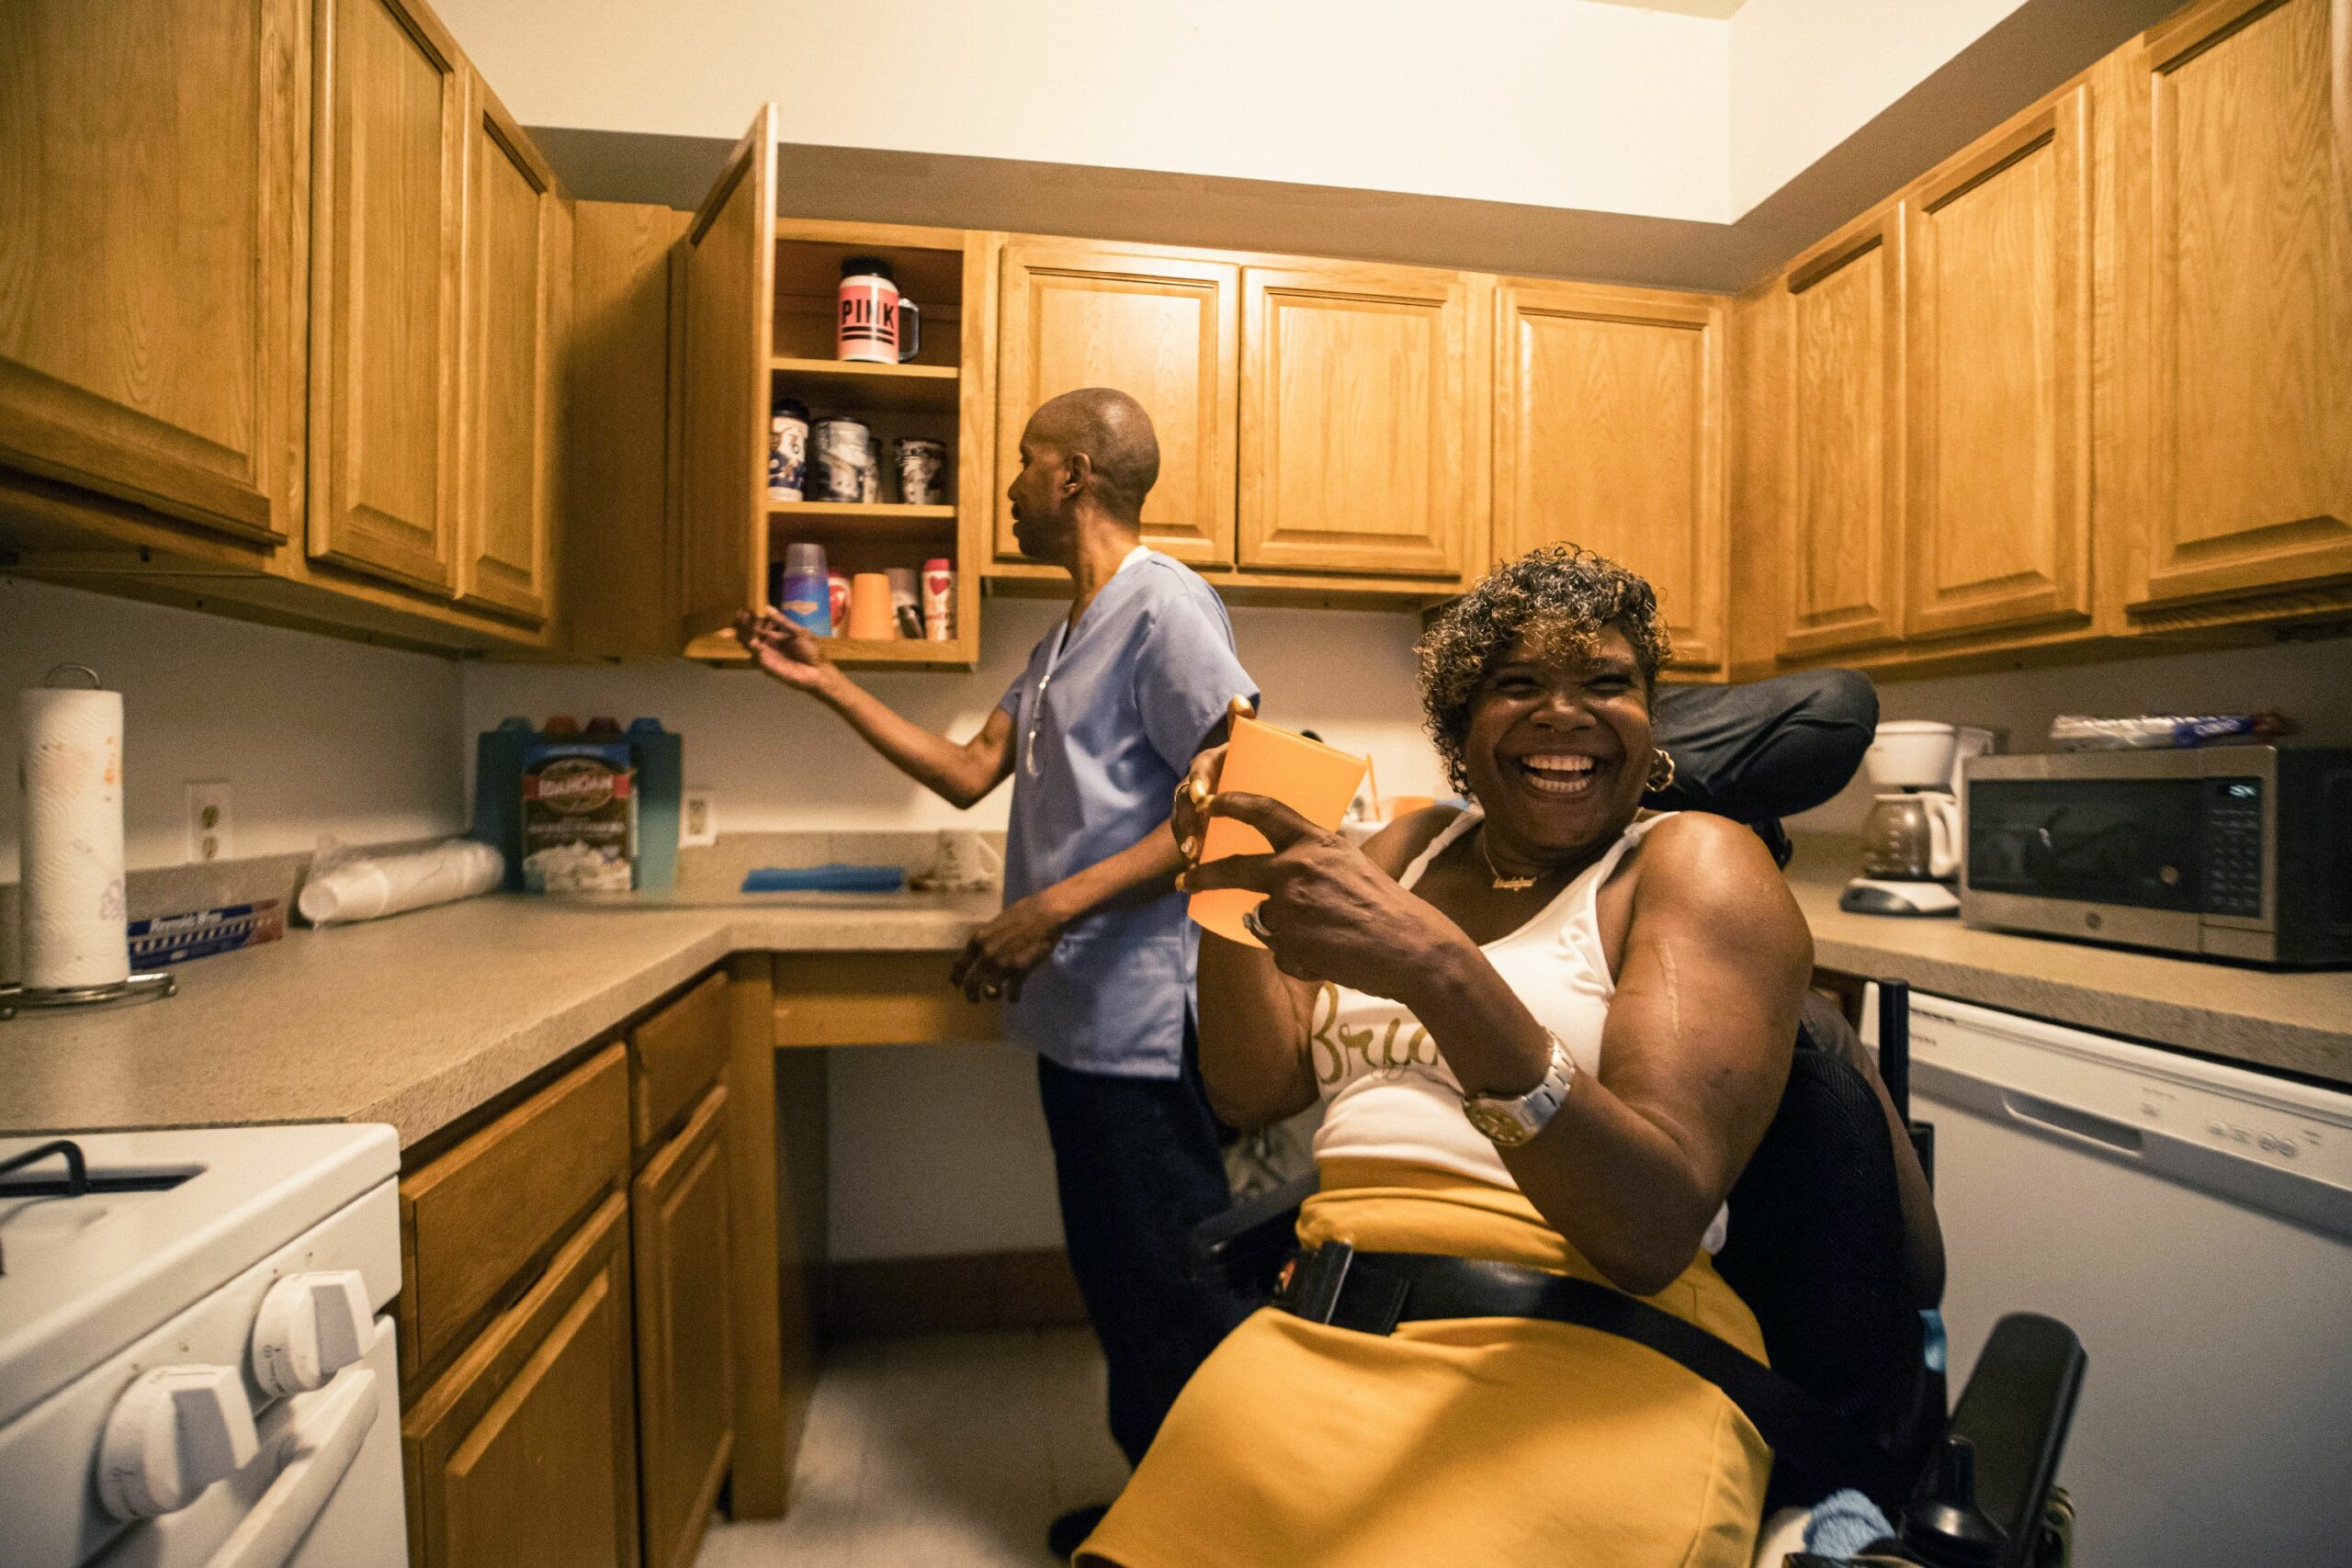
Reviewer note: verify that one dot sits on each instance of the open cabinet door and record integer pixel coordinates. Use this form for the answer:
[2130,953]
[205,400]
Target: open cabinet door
[726,263]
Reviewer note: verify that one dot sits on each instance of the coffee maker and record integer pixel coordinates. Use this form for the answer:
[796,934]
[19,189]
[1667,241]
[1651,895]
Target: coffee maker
[1913,840]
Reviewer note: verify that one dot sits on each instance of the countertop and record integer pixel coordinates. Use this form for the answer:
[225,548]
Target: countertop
[2300,1022]
[417,1020]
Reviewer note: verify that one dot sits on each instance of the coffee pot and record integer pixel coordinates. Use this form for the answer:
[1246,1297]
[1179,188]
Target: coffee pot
[1912,836]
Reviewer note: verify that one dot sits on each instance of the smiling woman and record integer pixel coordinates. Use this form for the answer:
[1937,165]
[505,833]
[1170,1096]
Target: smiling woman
[1547,1032]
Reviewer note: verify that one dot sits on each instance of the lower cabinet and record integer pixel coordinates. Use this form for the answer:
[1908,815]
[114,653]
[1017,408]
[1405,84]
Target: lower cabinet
[684,1348]
[524,1452]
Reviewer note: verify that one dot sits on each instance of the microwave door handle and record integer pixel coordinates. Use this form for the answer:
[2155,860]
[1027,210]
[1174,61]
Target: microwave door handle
[314,1455]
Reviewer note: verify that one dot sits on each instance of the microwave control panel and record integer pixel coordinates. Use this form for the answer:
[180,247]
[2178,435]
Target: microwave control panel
[2233,847]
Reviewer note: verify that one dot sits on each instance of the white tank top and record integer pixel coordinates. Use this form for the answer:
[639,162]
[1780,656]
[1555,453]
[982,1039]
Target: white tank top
[1388,1094]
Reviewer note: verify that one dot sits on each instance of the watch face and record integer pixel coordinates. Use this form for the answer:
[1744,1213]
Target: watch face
[1500,1127]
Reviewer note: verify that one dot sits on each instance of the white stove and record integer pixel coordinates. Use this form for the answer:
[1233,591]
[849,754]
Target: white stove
[194,1363]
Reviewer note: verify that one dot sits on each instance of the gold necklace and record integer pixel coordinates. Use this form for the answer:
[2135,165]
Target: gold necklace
[1503,884]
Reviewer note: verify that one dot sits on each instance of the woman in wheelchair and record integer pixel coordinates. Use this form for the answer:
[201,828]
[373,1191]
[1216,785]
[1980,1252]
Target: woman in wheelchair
[1547,1032]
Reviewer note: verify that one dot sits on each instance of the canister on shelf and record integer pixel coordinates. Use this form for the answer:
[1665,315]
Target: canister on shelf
[842,464]
[837,596]
[906,602]
[806,601]
[922,469]
[938,599]
[788,449]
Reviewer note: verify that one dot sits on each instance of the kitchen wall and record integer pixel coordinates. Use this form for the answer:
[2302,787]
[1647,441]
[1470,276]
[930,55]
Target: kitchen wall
[314,735]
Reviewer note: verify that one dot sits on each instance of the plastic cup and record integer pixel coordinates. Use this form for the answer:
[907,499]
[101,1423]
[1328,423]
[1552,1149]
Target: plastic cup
[1314,780]
[869,608]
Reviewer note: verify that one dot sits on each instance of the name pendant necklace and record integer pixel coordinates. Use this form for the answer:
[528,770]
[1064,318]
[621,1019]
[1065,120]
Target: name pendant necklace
[1503,884]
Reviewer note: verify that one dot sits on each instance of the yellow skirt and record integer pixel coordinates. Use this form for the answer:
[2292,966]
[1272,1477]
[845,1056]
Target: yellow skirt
[1487,1440]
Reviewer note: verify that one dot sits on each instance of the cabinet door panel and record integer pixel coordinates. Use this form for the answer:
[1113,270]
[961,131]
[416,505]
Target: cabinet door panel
[685,1344]
[155,154]
[1845,429]
[1164,330]
[728,262]
[1608,435]
[1358,421]
[506,413]
[525,1454]
[1998,353]
[2250,308]
[385,310]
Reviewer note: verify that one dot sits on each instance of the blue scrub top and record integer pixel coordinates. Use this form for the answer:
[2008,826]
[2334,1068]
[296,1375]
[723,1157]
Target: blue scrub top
[1106,719]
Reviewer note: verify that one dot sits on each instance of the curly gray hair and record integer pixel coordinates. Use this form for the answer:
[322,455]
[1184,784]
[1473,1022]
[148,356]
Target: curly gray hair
[1559,598]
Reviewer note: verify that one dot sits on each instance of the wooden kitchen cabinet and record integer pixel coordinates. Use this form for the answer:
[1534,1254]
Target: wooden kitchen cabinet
[1843,384]
[524,1455]
[754,321]
[1609,434]
[1364,420]
[151,324]
[1997,339]
[387,232]
[517,274]
[685,1394]
[1162,328]
[2238,249]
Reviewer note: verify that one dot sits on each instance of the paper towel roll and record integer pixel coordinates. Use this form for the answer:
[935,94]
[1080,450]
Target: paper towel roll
[363,888]
[72,813]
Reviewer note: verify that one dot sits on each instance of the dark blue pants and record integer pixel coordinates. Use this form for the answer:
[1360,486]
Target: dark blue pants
[1137,1166]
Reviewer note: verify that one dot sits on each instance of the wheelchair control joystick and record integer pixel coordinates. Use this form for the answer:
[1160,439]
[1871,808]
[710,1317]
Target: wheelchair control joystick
[1945,1528]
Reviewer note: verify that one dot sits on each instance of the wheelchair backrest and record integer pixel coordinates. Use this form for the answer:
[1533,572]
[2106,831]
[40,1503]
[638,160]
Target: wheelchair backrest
[1822,1249]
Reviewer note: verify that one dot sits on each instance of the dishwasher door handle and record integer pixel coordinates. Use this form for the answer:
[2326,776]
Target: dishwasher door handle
[2118,1137]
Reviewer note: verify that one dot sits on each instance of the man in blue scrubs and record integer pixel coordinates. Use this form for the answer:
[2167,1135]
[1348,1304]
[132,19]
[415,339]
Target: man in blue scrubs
[1093,953]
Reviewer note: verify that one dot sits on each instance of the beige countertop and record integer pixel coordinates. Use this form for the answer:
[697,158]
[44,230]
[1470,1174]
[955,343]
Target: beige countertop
[2301,1022]
[418,1019]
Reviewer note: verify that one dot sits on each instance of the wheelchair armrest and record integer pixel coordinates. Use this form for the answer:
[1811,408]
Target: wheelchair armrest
[2015,1409]
[1252,1232]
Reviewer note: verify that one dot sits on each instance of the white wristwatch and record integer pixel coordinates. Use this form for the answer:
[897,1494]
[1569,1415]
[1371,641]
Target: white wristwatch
[1509,1121]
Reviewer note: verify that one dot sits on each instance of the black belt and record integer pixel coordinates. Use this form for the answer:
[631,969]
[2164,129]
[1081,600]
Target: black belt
[1371,1292]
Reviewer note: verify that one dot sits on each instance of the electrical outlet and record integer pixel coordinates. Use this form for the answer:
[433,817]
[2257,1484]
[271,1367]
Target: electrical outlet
[211,830]
[698,819]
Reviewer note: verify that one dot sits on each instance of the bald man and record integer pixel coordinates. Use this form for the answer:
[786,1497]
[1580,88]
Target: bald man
[1093,953]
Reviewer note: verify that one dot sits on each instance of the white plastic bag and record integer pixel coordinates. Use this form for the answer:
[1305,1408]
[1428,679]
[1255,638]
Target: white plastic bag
[346,886]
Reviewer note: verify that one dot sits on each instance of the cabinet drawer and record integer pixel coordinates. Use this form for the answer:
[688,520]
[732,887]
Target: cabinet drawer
[475,1218]
[524,1454]
[676,1055]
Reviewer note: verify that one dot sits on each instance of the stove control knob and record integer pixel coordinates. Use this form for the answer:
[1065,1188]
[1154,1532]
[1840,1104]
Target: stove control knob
[172,1433]
[312,1326]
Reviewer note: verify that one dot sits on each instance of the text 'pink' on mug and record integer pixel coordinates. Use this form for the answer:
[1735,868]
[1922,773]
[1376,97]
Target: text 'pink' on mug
[1314,780]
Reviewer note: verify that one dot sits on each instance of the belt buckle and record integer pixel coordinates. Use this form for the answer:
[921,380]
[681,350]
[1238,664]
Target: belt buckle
[1313,1289]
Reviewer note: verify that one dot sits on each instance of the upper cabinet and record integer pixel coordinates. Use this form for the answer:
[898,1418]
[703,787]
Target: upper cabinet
[1364,420]
[387,227]
[2239,243]
[1609,434]
[1997,339]
[1162,328]
[517,270]
[1844,420]
[155,154]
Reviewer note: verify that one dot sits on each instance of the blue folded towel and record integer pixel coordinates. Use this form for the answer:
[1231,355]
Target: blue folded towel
[835,878]
[1844,1523]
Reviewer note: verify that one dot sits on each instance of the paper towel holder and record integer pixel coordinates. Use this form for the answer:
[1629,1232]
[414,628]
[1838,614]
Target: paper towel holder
[16,998]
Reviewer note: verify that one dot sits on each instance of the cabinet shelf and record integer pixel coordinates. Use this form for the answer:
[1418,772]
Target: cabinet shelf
[862,388]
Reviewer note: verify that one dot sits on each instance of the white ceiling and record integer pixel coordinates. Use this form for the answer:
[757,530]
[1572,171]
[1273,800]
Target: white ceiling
[1717,10]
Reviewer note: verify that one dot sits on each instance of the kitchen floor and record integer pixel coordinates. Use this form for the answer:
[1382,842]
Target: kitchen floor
[952,1450]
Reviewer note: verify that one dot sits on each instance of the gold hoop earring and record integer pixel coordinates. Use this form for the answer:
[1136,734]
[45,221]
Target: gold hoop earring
[1661,773]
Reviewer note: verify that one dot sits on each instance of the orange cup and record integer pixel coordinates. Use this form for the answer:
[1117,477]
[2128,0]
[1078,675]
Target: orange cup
[1314,780]
[869,608]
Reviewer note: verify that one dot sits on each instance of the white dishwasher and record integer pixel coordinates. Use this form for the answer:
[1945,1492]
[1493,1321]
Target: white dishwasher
[2192,1223]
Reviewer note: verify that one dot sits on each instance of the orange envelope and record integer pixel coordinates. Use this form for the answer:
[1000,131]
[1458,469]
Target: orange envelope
[1314,780]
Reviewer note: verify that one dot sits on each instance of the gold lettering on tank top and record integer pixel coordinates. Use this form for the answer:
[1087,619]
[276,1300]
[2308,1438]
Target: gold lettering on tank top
[1342,1052]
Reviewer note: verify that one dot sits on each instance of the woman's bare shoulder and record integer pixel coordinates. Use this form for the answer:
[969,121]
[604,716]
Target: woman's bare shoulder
[1697,863]
[1393,848]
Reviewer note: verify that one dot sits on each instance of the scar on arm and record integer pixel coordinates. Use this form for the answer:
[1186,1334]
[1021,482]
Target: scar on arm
[1673,992]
